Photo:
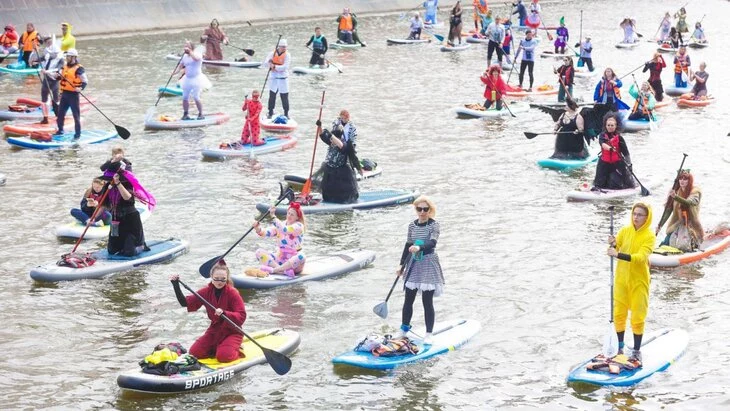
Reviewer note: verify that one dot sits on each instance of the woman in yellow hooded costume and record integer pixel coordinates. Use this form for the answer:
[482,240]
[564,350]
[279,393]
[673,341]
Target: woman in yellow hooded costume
[68,41]
[631,247]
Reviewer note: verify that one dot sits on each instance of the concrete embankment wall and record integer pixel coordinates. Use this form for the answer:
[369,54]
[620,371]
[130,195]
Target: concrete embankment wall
[94,17]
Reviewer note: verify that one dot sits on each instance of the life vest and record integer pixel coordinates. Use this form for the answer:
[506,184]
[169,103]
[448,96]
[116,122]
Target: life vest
[616,91]
[278,59]
[346,23]
[69,80]
[29,40]
[612,155]
[7,42]
[480,6]
[644,104]
[567,75]
[76,260]
[317,43]
[679,61]
[393,347]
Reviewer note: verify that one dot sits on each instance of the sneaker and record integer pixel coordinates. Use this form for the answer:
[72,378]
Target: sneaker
[269,115]
[529,90]
[185,117]
[77,136]
[428,339]
[404,328]
[200,117]
[363,45]
[636,357]
[58,133]
[257,143]
[45,120]
[99,223]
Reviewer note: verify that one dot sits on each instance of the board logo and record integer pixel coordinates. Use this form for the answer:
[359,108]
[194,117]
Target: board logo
[209,380]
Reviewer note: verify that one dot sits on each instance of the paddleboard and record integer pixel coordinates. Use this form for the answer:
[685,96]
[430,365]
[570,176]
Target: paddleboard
[268,124]
[566,165]
[64,140]
[627,45]
[456,48]
[366,200]
[713,244]
[297,182]
[667,49]
[544,90]
[331,68]
[637,125]
[584,193]
[659,350]
[407,41]
[273,144]
[697,45]
[105,264]
[685,103]
[447,336]
[212,372]
[221,63]
[338,45]
[317,267]
[674,91]
[514,106]
[20,71]
[477,40]
[170,91]
[37,103]
[24,129]
[552,54]
[74,230]
[2,179]
[164,122]
[584,73]
[34,113]
[9,56]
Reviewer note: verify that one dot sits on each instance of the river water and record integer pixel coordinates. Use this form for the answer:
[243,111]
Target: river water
[519,258]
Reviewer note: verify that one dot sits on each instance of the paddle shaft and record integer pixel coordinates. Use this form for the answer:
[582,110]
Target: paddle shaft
[644,190]
[580,36]
[269,71]
[93,216]
[123,132]
[327,60]
[514,63]
[308,184]
[170,78]
[533,135]
[504,103]
[630,72]
[670,201]
[550,36]
[611,265]
[267,351]
[638,91]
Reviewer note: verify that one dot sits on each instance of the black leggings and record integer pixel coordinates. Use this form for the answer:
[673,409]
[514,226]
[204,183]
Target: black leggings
[527,65]
[284,102]
[428,312]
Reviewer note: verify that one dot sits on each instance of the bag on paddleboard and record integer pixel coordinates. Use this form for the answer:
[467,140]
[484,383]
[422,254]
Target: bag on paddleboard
[18,108]
[76,260]
[41,136]
[681,238]
[396,346]
[281,119]
[368,165]
[371,342]
[169,359]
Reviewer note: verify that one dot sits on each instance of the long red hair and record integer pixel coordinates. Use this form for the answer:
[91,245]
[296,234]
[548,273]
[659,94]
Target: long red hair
[688,191]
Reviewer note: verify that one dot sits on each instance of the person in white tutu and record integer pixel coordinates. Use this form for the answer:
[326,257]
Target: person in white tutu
[193,80]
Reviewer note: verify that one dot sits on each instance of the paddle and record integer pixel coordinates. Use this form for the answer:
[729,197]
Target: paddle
[269,71]
[693,33]
[610,341]
[580,39]
[43,79]
[530,136]
[404,14]
[504,103]
[550,36]
[641,66]
[644,191]
[381,309]
[98,208]
[152,109]
[517,53]
[250,52]
[328,62]
[205,268]
[308,184]
[278,361]
[652,122]
[669,205]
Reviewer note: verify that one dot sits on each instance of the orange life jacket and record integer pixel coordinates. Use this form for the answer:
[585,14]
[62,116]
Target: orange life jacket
[678,64]
[644,105]
[278,59]
[346,22]
[7,42]
[616,92]
[612,155]
[478,7]
[69,80]
[28,40]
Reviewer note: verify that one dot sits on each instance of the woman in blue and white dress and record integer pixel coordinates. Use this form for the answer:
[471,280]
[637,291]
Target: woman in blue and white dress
[422,272]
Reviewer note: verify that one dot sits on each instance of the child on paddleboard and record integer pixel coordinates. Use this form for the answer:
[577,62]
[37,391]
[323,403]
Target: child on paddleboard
[288,258]
[89,203]
[251,133]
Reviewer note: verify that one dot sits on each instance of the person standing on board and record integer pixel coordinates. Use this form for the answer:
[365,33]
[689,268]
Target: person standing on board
[278,62]
[73,80]
[655,66]
[213,36]
[28,42]
[194,80]
[319,48]
[631,248]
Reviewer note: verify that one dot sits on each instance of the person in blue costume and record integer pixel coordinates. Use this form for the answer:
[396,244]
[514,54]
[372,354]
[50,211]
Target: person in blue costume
[521,12]
[608,91]
[432,8]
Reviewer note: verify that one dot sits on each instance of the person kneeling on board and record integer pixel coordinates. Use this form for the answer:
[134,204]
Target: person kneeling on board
[338,180]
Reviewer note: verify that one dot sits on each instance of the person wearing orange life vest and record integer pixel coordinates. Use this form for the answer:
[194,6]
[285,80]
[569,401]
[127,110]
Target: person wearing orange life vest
[28,41]
[612,171]
[278,62]
[608,91]
[681,65]
[644,105]
[8,41]
[346,27]
[480,14]
[73,80]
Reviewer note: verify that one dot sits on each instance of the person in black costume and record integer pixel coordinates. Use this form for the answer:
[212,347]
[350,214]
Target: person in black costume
[338,179]
[613,170]
[126,234]
[569,142]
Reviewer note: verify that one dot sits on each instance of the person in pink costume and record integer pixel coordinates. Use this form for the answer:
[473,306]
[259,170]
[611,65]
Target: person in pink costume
[288,258]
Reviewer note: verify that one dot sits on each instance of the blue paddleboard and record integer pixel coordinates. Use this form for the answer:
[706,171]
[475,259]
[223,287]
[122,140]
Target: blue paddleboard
[659,350]
[64,140]
[566,165]
[366,199]
[447,336]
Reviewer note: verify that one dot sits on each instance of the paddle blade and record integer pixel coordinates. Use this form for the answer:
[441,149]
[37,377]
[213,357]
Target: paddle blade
[438,37]
[381,310]
[307,187]
[530,135]
[610,342]
[123,132]
[278,361]
[250,52]
[204,269]
[644,191]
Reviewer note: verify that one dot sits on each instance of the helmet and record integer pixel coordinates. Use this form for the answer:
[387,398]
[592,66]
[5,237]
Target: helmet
[72,52]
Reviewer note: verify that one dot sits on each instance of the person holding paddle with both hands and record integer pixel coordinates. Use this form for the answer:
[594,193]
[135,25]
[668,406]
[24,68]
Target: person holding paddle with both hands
[73,80]
[631,248]
[420,265]
[221,340]
[495,87]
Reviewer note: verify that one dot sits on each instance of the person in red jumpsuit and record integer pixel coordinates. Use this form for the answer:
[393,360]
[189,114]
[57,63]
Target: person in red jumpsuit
[252,129]
[221,340]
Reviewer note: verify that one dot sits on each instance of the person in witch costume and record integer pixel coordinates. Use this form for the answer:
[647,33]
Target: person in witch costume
[338,180]
[126,234]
